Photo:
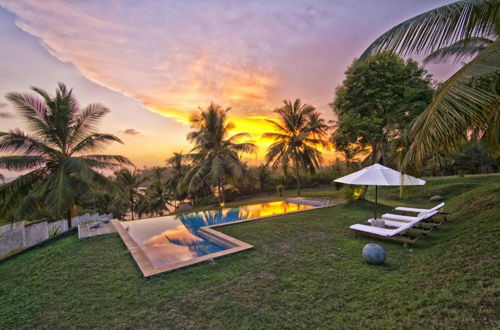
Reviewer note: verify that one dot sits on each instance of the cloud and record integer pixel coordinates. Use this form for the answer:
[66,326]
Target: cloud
[176,56]
[131,131]
[7,115]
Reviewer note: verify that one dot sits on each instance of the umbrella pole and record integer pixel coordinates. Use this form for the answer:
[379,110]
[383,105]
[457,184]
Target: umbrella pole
[376,201]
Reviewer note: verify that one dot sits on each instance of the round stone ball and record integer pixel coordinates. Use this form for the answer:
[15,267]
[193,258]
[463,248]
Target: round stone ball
[374,254]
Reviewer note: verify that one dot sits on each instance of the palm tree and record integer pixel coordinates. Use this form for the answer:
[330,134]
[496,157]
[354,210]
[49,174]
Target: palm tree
[263,175]
[158,193]
[469,99]
[296,140]
[129,182]
[178,170]
[215,156]
[56,152]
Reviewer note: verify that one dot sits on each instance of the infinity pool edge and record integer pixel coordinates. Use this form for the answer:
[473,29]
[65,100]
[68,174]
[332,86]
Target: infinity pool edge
[234,245]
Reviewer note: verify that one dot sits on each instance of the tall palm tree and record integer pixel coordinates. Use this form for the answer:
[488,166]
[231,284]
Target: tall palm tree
[296,139]
[469,99]
[129,182]
[216,156]
[57,153]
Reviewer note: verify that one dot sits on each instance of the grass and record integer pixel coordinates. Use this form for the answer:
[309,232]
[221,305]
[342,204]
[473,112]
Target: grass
[306,271]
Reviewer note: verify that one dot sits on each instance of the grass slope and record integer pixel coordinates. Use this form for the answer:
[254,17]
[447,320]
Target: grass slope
[305,272]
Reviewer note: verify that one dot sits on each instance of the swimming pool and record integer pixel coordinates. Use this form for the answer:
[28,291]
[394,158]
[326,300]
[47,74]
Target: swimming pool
[171,240]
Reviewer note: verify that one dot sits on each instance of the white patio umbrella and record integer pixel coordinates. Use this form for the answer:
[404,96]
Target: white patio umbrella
[378,175]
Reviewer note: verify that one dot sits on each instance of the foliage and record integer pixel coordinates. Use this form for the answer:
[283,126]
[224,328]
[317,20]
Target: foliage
[215,157]
[298,134]
[469,99]
[57,153]
[376,102]
[473,158]
[129,182]
[263,175]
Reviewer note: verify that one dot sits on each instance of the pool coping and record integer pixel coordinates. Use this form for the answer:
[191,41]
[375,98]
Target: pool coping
[147,268]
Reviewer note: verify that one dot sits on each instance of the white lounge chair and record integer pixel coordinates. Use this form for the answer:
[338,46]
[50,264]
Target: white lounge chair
[427,222]
[416,210]
[401,233]
[406,218]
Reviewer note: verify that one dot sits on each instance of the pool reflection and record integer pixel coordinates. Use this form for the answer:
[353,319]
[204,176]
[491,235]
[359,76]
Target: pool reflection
[172,239]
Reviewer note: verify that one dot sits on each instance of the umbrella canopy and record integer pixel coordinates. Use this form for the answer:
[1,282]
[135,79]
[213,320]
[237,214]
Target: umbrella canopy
[378,175]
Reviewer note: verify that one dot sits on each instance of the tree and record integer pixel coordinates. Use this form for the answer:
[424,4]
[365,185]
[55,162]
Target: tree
[215,157]
[57,154]
[376,103]
[158,193]
[129,182]
[472,157]
[296,138]
[469,99]
[174,182]
[345,144]
[263,175]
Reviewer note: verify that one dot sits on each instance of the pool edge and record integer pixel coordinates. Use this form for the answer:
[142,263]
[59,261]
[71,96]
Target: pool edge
[147,268]
[208,232]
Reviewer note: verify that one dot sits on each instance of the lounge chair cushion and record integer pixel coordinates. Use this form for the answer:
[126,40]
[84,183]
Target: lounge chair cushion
[417,210]
[372,230]
[390,223]
[405,218]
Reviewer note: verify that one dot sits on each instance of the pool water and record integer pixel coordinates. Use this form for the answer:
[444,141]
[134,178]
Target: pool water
[172,239]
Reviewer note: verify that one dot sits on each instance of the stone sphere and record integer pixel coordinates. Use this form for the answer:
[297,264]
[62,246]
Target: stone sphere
[374,254]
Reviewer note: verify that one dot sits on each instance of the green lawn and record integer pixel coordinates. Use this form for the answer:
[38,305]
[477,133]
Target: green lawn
[305,271]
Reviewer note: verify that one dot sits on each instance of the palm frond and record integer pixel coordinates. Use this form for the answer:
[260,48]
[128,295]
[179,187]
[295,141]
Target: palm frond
[438,27]
[61,193]
[459,51]
[18,141]
[21,163]
[107,161]
[460,104]
[12,193]
[94,142]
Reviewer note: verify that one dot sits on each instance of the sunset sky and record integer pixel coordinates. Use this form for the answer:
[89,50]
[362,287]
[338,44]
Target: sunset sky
[155,62]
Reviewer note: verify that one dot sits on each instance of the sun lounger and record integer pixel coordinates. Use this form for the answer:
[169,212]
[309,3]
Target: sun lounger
[417,210]
[401,234]
[406,218]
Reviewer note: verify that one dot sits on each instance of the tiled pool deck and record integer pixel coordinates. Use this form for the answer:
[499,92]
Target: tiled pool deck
[208,232]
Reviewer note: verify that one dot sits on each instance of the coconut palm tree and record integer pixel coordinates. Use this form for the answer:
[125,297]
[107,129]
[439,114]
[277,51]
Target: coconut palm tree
[57,153]
[129,182]
[469,99]
[296,140]
[216,156]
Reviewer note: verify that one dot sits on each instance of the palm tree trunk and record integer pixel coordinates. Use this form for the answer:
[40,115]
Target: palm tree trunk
[132,206]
